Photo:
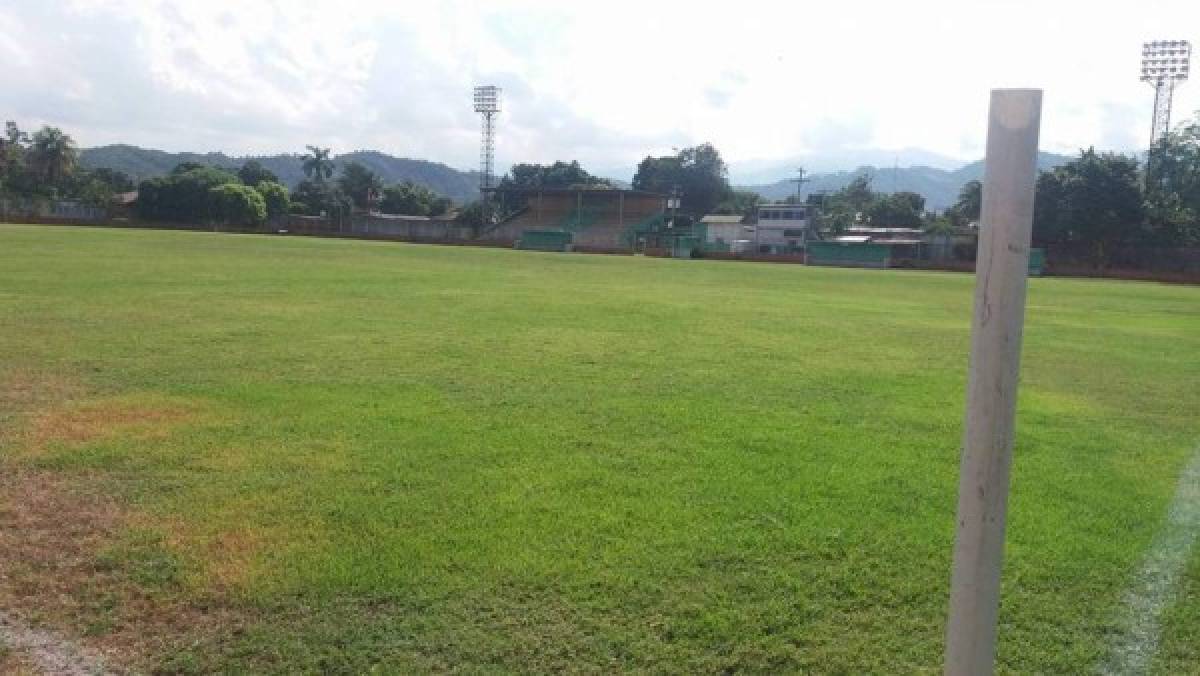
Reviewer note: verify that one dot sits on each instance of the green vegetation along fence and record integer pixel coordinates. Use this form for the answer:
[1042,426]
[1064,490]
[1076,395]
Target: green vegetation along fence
[849,255]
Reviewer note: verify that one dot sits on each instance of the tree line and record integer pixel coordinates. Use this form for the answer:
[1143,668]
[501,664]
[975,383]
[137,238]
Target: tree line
[1098,202]
[45,166]
[252,194]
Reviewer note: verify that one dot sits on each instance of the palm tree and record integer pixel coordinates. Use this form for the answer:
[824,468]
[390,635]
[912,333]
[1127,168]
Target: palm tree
[52,154]
[317,164]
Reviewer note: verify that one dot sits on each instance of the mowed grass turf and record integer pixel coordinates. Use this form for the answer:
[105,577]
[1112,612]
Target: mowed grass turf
[422,458]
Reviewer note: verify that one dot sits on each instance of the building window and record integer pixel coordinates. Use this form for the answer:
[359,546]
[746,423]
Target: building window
[791,232]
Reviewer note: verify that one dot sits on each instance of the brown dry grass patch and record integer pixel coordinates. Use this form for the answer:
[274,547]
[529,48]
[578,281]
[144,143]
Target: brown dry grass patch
[54,534]
[13,663]
[94,420]
[66,559]
[24,391]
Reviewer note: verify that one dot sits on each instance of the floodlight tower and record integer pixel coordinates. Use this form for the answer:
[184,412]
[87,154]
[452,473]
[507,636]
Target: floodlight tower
[1165,64]
[487,104]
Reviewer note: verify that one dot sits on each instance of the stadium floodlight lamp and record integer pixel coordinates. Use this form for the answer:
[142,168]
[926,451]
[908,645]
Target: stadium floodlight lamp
[1166,60]
[1165,65]
[487,99]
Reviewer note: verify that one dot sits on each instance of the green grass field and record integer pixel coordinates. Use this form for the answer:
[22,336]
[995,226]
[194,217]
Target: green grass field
[413,458]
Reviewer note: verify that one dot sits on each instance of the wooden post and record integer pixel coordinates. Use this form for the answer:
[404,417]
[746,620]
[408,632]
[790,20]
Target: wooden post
[1001,267]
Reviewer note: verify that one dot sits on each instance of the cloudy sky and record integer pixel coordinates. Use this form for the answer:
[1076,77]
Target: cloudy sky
[604,82]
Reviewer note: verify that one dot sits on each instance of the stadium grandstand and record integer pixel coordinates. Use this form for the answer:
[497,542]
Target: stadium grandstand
[588,218]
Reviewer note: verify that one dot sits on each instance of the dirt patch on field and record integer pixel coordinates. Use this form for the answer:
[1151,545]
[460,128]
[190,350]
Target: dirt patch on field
[80,571]
[73,560]
[15,662]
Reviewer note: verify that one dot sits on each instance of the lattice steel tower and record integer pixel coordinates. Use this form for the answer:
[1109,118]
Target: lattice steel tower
[487,104]
[1165,64]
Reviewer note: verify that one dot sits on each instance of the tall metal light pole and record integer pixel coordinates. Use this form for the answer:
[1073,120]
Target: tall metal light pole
[487,104]
[1165,64]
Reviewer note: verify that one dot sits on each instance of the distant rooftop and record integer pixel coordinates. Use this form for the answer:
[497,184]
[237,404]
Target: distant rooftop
[589,190]
[722,218]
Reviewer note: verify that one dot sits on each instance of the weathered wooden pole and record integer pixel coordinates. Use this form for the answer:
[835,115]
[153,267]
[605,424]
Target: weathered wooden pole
[1002,265]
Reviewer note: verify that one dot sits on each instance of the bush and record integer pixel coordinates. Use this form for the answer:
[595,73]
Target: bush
[185,195]
[237,204]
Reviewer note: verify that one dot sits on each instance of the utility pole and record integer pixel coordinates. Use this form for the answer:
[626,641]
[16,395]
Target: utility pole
[800,180]
[998,320]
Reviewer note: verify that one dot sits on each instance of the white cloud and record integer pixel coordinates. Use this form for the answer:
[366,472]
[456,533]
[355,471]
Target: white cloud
[605,83]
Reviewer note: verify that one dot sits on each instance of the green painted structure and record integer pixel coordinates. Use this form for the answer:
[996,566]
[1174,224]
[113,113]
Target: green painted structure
[684,246]
[545,240]
[1037,262]
[848,254]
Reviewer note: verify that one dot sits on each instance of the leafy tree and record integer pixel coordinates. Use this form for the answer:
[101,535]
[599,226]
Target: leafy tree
[698,172]
[309,197]
[411,199]
[13,135]
[1050,225]
[741,202]
[557,175]
[360,183]
[275,198]
[183,196]
[840,210]
[13,148]
[1095,200]
[184,167]
[857,195]
[252,173]
[317,198]
[117,181]
[316,164]
[441,206]
[53,155]
[1173,188]
[236,204]
[970,201]
[471,214]
[897,210]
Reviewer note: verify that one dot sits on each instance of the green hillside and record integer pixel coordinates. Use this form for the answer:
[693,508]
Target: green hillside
[939,186]
[143,163]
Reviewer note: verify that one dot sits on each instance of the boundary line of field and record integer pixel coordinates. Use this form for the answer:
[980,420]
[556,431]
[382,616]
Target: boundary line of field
[1157,580]
[51,653]
[1053,270]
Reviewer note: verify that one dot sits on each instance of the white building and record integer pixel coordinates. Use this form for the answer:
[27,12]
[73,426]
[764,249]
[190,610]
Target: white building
[781,228]
[723,230]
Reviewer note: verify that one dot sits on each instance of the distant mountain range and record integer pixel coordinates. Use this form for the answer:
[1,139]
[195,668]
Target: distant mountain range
[759,172]
[143,163]
[939,186]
